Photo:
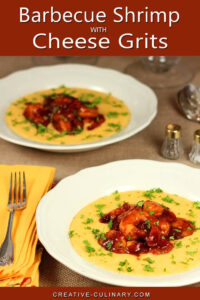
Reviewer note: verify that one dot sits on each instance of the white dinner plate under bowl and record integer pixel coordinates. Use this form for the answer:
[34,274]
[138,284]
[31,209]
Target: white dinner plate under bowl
[139,98]
[58,207]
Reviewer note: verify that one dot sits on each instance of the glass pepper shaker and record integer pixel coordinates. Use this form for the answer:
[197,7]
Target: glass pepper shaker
[194,154]
[172,147]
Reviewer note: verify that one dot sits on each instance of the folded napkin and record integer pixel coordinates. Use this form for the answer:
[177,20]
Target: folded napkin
[27,256]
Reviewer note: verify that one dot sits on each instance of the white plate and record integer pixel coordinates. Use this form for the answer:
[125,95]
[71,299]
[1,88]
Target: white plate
[140,99]
[57,209]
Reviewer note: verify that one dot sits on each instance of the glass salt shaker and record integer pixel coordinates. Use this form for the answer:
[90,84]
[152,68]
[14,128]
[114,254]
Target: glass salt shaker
[194,154]
[172,147]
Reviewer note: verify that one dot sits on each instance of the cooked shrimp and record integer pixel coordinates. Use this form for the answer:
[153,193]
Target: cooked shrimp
[86,112]
[182,228]
[128,224]
[164,227]
[116,241]
[36,114]
[60,123]
[155,208]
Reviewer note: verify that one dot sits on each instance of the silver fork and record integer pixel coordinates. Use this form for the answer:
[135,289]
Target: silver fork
[16,201]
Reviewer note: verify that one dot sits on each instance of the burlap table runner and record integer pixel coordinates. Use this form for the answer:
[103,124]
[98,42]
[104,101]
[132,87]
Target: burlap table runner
[145,144]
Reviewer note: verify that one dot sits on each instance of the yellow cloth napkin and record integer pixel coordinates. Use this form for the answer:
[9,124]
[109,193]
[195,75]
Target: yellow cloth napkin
[25,269]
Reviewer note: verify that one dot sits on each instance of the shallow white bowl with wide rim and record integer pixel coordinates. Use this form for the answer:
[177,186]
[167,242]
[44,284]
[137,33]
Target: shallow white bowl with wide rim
[57,209]
[140,99]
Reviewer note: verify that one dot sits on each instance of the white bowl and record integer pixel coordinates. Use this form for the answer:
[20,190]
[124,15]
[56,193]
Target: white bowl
[57,209]
[140,99]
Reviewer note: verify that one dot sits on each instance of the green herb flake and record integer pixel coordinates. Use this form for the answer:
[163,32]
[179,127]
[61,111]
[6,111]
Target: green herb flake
[149,260]
[156,223]
[88,247]
[177,230]
[115,126]
[151,193]
[148,268]
[123,263]
[191,213]
[196,204]
[112,114]
[109,245]
[41,129]
[140,203]
[179,244]
[168,199]
[71,234]
[151,213]
[88,221]
[103,236]
[147,222]
[110,224]
[191,253]
[99,209]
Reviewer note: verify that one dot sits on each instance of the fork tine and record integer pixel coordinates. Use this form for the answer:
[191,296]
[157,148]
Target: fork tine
[19,189]
[15,189]
[10,191]
[24,188]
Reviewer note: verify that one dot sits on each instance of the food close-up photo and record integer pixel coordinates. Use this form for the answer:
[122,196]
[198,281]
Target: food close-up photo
[100,174]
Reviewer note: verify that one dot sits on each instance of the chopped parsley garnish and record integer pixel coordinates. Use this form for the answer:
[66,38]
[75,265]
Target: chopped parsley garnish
[41,129]
[88,247]
[177,230]
[196,204]
[103,236]
[147,222]
[99,209]
[96,233]
[140,203]
[123,263]
[191,213]
[88,221]
[150,193]
[191,253]
[148,268]
[168,199]
[151,213]
[115,126]
[96,101]
[117,198]
[129,269]
[71,234]
[179,244]
[109,245]
[156,223]
[171,237]
[149,260]
[115,192]
[110,224]
[193,223]
[112,114]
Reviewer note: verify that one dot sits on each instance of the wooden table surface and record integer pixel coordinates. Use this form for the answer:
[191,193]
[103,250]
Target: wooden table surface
[145,144]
